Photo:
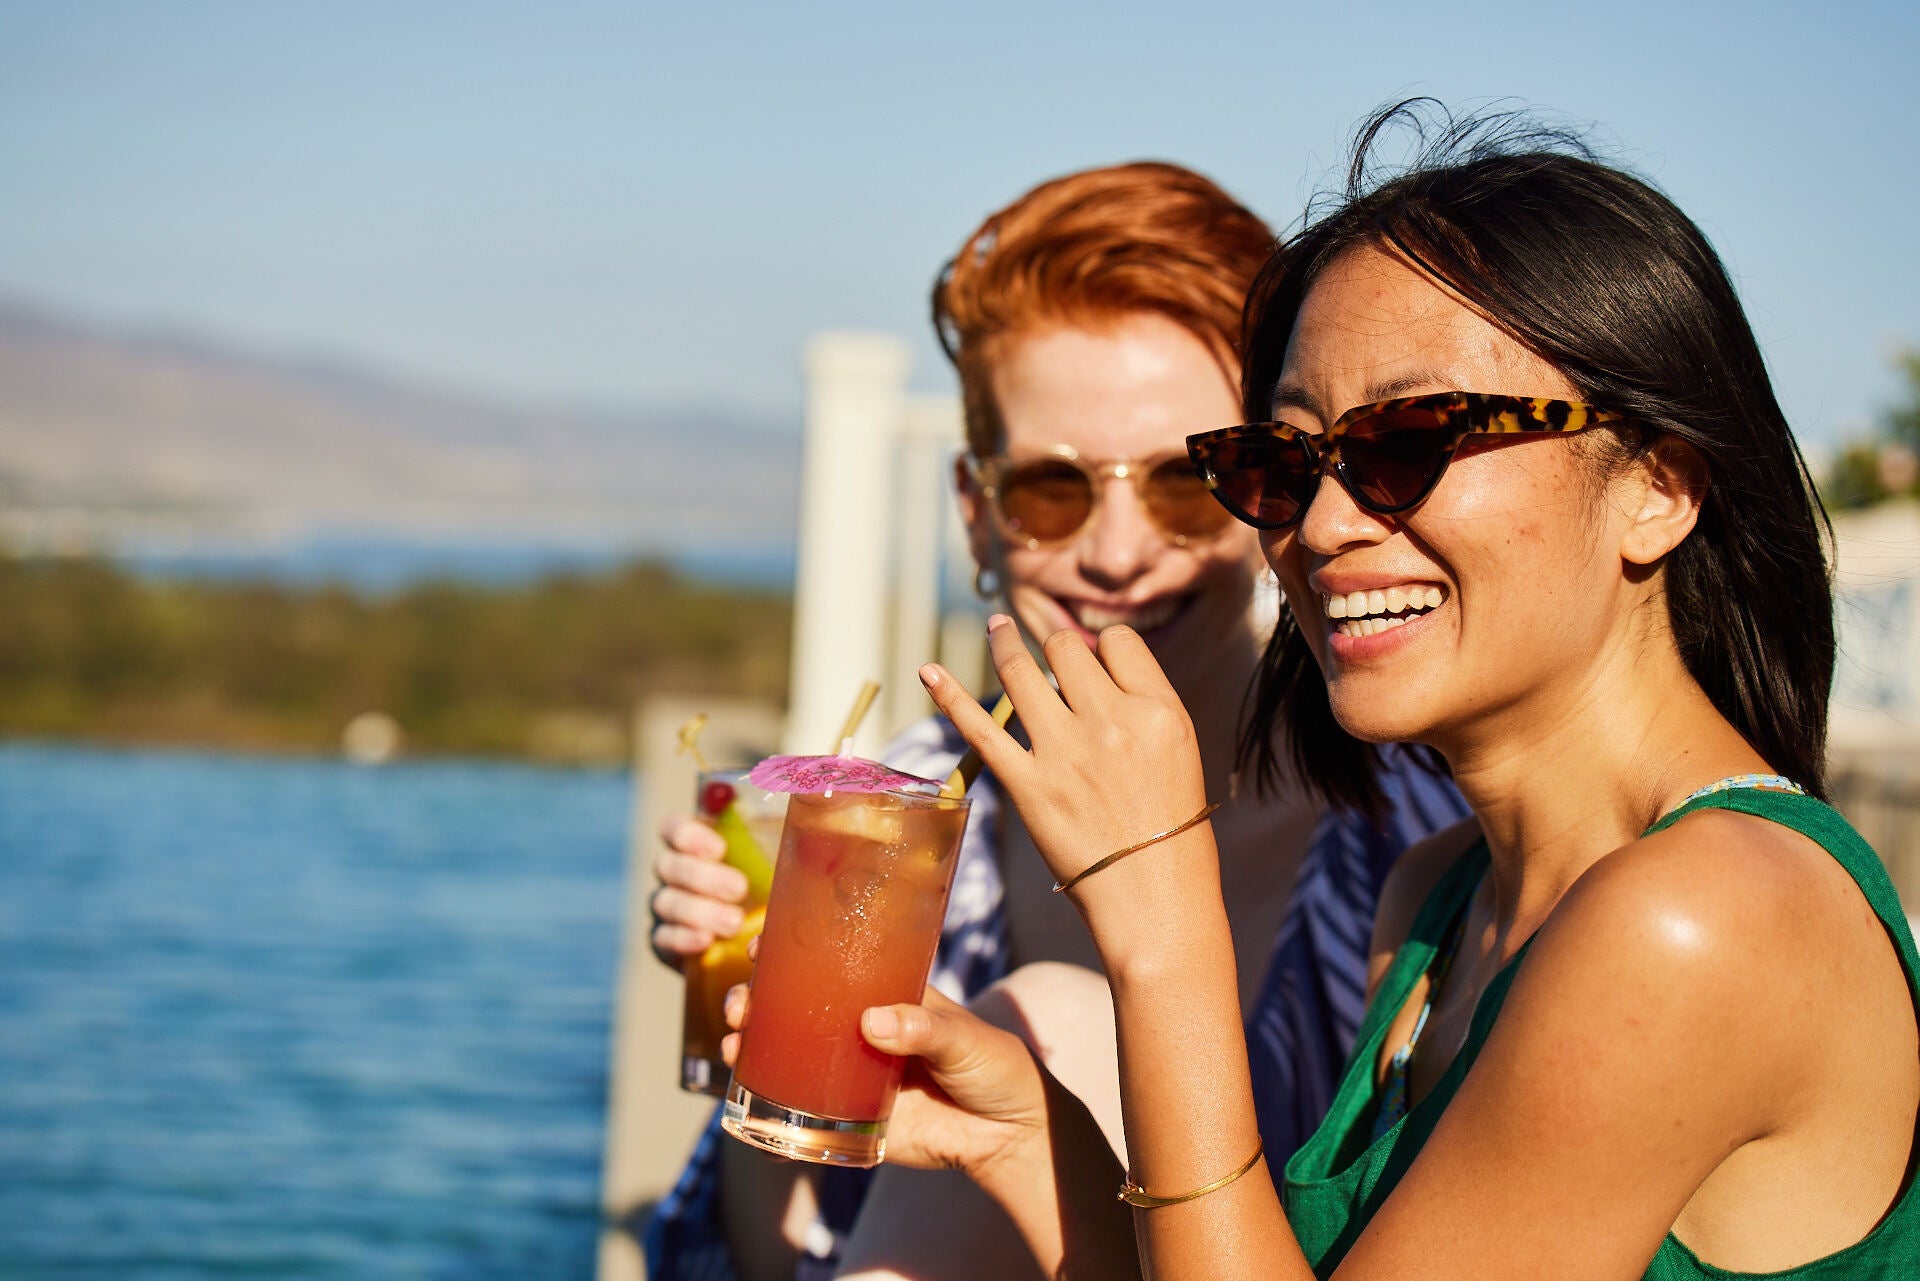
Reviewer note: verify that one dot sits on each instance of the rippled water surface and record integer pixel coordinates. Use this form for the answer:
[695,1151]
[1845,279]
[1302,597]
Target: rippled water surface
[296,1019]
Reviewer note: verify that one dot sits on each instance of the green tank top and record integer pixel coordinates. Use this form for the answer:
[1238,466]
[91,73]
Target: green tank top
[1333,1185]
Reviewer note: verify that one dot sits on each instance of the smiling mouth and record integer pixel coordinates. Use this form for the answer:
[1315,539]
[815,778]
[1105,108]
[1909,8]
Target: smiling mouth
[1383,609]
[1142,618]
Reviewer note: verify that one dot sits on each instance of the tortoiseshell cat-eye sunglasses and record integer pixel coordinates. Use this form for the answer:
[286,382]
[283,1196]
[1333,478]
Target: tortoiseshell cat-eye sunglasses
[1387,455]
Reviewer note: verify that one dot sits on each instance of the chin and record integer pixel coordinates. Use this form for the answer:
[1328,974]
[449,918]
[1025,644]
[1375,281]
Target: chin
[1378,718]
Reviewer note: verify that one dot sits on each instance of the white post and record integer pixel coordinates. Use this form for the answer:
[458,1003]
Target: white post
[963,615]
[930,434]
[855,395]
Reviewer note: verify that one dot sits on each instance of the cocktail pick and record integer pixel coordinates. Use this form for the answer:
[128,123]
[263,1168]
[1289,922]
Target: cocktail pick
[970,765]
[841,772]
[690,741]
[716,806]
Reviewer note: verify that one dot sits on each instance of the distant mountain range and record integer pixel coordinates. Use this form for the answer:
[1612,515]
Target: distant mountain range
[150,446]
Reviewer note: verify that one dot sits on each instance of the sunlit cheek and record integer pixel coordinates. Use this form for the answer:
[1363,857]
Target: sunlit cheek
[1034,579]
[1507,477]
[1027,567]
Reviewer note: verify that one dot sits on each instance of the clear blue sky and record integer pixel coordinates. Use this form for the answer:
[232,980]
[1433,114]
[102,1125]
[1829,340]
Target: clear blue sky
[620,205]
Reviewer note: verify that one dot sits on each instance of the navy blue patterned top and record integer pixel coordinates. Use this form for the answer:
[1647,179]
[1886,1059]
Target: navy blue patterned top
[1298,1035]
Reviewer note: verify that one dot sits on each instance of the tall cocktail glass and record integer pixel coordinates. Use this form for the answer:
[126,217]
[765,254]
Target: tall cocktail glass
[749,821]
[858,896]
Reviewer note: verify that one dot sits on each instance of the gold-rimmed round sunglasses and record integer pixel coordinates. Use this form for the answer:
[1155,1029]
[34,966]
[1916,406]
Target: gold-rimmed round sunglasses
[1045,499]
[1388,455]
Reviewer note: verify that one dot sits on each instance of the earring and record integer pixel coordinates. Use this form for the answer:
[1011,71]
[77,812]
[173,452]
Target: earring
[986,583]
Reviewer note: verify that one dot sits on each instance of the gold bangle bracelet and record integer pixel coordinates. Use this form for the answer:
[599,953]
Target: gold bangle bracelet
[1133,1194]
[1117,855]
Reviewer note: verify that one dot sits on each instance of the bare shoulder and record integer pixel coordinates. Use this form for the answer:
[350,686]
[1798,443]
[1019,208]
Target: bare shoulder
[1407,886]
[1720,879]
[1707,1015]
[1714,926]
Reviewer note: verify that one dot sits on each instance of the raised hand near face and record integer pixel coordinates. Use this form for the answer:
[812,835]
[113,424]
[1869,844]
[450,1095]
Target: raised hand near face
[1113,759]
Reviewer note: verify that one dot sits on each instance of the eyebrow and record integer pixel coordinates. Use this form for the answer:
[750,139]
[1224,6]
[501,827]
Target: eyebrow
[1294,396]
[1291,395]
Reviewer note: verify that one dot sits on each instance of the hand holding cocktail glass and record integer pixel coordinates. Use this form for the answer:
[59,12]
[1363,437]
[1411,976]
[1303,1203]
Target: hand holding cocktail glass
[970,1092]
[860,889]
[744,825]
[1113,760]
[710,875]
[866,861]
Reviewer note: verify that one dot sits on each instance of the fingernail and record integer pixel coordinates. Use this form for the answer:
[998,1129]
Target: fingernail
[882,1023]
[736,919]
[929,675]
[996,622]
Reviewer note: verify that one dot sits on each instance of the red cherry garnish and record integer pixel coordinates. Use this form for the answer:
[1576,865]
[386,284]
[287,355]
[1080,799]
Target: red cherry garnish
[715,797]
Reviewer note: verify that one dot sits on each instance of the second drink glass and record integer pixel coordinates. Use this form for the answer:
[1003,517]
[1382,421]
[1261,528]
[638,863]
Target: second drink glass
[748,820]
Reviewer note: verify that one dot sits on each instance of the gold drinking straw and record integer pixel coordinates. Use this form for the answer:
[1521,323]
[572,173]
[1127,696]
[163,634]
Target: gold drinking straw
[970,765]
[690,740]
[869,691]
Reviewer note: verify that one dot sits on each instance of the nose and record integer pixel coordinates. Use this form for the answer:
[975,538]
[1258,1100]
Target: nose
[1335,523]
[1120,543]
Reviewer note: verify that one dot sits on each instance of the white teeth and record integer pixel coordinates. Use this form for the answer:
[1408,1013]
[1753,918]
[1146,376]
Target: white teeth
[1366,613]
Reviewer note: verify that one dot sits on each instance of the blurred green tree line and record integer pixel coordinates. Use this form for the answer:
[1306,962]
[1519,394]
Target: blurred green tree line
[546,669]
[1887,464]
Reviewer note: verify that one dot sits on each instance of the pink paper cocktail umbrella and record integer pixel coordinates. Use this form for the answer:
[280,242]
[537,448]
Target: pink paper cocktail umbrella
[833,774]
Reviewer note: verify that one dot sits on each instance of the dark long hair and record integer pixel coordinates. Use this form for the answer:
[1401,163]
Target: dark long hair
[1599,274]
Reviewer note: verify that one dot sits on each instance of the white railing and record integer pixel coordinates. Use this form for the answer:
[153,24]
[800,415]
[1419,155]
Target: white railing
[882,586]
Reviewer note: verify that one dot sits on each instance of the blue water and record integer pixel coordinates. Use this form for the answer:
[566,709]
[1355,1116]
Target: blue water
[297,1019]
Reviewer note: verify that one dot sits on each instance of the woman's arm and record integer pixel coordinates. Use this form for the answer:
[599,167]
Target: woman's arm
[1184,1083]
[938,1225]
[979,1101]
[1113,761]
[975,1098]
[1589,1101]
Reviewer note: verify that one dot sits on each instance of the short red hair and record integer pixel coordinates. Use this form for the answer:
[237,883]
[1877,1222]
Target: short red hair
[1088,249]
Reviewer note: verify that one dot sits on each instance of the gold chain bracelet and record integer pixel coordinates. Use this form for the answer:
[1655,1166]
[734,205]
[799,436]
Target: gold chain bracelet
[1133,1194]
[1117,855]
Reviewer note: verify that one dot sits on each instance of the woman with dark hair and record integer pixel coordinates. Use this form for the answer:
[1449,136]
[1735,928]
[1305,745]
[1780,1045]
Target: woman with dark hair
[1651,1011]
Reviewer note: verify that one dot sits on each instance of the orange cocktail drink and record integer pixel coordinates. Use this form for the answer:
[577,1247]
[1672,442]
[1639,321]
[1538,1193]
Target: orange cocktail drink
[859,893]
